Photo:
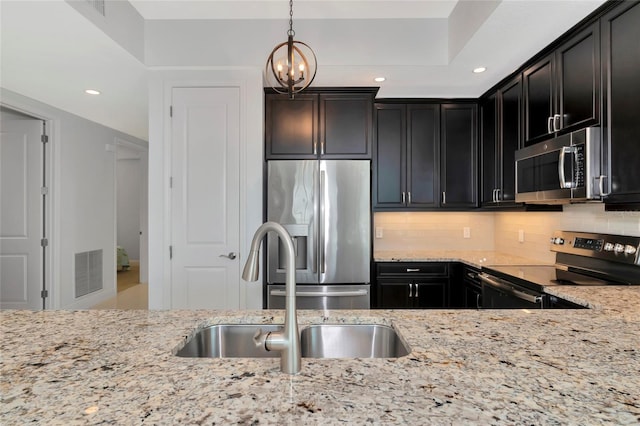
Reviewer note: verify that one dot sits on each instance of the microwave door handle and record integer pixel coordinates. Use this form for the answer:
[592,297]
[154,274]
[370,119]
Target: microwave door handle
[561,159]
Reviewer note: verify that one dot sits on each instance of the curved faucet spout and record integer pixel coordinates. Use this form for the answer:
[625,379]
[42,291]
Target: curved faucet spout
[288,340]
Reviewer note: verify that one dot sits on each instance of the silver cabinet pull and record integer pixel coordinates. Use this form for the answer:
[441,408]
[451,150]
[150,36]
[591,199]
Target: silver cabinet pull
[417,287]
[404,195]
[550,125]
[410,290]
[497,195]
[601,179]
[413,269]
[557,125]
[231,255]
[409,198]
[322,148]
[315,148]
[444,197]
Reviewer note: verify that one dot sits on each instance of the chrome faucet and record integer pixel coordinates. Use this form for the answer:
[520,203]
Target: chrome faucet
[287,341]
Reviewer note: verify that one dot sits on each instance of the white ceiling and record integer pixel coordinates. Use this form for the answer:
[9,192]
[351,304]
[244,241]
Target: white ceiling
[425,48]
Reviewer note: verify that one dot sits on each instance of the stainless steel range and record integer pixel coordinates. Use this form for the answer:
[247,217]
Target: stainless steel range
[581,259]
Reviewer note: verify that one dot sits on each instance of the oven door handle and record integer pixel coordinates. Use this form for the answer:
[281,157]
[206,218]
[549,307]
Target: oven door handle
[509,290]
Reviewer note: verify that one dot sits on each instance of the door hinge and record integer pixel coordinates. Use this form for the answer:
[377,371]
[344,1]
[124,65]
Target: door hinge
[170,252]
[44,294]
[171,111]
[44,242]
[44,138]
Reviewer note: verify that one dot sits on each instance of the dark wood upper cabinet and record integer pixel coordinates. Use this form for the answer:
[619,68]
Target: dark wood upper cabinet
[501,117]
[458,145]
[319,125]
[562,90]
[406,156]
[425,156]
[291,126]
[621,72]
[389,166]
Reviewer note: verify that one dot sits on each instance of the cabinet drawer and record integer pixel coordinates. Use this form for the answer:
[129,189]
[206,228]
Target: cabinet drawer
[436,269]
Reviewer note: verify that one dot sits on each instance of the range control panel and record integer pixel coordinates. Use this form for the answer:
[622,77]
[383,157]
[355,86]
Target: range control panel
[619,248]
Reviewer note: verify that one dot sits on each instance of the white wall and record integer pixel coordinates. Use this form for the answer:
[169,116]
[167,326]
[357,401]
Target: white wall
[82,196]
[251,173]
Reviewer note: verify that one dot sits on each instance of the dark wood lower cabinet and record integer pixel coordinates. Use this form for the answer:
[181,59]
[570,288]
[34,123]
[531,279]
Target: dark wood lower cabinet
[410,285]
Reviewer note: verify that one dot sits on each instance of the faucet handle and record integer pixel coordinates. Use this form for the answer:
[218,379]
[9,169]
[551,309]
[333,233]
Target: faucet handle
[260,339]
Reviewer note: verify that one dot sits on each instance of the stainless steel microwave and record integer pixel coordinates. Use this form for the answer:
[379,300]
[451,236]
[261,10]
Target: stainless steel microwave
[561,170]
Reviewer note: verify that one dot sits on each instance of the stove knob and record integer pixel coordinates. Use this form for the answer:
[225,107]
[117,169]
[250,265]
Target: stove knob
[619,248]
[559,241]
[608,247]
[630,249]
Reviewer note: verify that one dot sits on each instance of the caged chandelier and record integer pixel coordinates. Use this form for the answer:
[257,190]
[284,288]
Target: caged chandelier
[291,66]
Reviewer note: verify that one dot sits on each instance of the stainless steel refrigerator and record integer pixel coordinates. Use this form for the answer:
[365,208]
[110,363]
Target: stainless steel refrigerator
[326,207]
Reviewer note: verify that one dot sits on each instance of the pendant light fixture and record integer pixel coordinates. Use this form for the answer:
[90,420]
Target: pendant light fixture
[292,65]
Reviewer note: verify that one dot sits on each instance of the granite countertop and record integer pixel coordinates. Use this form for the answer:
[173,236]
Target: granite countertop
[476,258]
[465,367]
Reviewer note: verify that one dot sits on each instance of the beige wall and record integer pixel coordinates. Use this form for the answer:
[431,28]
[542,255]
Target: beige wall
[497,231]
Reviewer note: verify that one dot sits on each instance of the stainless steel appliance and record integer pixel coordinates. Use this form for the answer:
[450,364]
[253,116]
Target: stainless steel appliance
[561,170]
[581,259]
[325,206]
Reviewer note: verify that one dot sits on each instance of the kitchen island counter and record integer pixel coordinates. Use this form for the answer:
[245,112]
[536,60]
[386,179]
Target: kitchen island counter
[466,367]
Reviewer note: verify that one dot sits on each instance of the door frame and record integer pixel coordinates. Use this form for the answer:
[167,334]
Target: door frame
[51,207]
[144,205]
[252,167]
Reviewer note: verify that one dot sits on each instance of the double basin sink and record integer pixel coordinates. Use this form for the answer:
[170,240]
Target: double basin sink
[316,341]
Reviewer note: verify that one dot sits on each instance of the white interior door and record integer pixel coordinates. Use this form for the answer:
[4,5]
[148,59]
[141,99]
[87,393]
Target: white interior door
[20,211]
[205,225]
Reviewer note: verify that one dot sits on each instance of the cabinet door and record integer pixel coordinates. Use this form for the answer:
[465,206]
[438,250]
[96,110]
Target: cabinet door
[430,294]
[389,168]
[578,75]
[538,100]
[423,154]
[511,136]
[489,143]
[394,294]
[458,155]
[346,125]
[621,55]
[291,126]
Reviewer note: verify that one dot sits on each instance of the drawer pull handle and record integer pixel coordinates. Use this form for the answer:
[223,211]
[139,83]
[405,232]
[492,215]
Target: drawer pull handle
[413,269]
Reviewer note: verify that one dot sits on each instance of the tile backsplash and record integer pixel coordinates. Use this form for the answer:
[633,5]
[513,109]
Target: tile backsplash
[519,233]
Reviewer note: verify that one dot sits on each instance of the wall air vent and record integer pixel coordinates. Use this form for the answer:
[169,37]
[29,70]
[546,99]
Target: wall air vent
[97,5]
[88,272]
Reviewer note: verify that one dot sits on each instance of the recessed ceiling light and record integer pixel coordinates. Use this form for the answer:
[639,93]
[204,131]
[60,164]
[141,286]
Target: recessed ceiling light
[92,92]
[479,70]
[379,79]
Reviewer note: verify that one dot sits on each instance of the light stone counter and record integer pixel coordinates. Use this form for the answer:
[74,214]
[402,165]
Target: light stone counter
[466,367]
[477,258]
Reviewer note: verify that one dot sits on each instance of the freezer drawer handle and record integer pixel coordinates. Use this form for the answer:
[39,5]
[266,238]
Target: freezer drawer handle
[321,294]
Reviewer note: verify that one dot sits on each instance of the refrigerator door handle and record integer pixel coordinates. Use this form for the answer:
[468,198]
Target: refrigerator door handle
[347,293]
[322,224]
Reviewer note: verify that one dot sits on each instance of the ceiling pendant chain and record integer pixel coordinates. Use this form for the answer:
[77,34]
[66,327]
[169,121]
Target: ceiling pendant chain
[291,32]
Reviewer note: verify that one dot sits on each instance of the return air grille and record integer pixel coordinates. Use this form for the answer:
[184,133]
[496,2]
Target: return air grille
[88,272]
[97,5]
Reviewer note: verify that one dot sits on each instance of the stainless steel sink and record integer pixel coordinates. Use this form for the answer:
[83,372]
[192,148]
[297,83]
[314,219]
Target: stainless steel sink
[317,341]
[228,341]
[351,341]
